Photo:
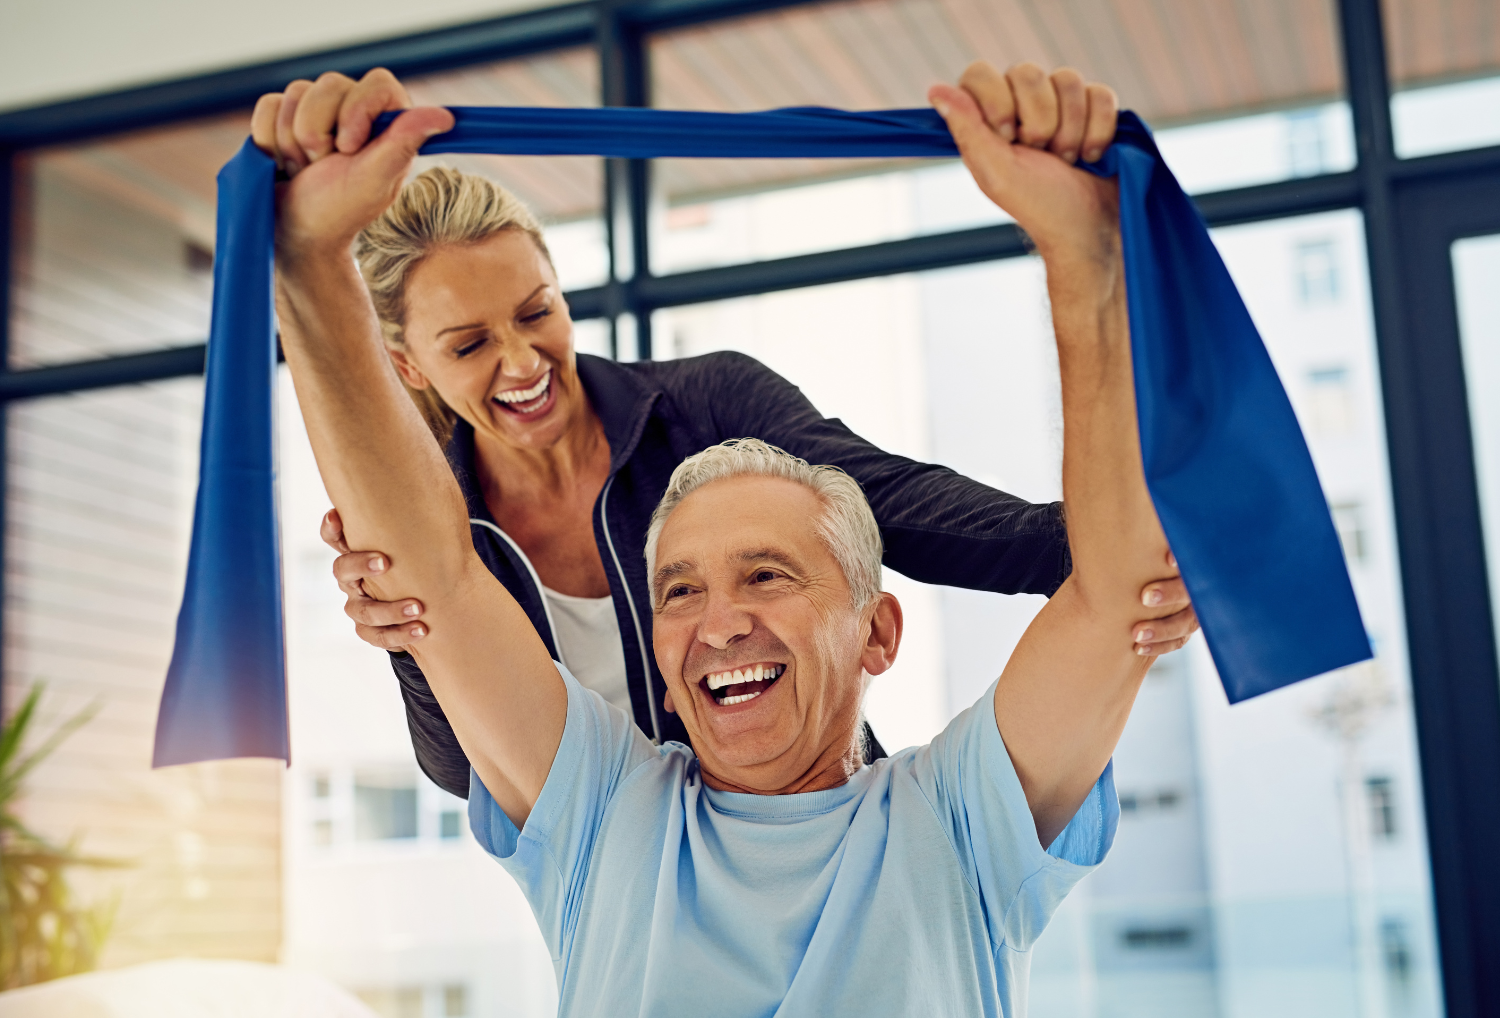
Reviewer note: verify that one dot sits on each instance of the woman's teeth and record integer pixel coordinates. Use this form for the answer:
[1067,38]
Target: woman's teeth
[525,401]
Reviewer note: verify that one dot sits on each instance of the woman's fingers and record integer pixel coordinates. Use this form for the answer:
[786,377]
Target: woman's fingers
[352,569]
[292,158]
[366,611]
[389,625]
[376,93]
[1165,594]
[332,531]
[391,637]
[1072,114]
[1161,636]
[1103,115]
[317,114]
[1036,104]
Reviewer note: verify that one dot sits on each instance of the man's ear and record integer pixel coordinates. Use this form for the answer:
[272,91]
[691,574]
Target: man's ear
[409,371]
[884,639]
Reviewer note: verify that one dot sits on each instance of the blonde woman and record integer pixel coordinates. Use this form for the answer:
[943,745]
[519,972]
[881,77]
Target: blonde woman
[562,456]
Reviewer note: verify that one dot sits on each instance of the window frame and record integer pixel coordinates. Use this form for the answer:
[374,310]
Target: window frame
[1413,210]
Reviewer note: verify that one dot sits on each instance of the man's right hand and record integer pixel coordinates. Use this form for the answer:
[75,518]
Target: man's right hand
[389,625]
[319,134]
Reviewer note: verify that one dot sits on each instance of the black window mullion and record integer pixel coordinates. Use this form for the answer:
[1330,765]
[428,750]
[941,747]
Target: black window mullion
[625,81]
[1450,639]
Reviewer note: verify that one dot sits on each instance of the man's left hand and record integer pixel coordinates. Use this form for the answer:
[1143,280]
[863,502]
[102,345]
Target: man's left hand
[1020,134]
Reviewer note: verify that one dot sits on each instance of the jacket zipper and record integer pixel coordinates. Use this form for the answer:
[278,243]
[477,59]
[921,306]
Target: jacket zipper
[546,607]
[635,618]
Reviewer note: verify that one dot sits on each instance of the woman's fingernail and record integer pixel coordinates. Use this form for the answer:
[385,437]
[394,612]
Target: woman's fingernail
[1143,651]
[417,632]
[377,564]
[411,611]
[1070,157]
[1151,598]
[1008,131]
[1092,155]
[1144,635]
[1171,560]
[941,107]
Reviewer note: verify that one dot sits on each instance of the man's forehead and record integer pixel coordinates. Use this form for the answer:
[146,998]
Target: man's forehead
[743,518]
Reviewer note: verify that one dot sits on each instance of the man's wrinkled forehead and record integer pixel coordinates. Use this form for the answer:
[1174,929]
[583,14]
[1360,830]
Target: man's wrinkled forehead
[740,521]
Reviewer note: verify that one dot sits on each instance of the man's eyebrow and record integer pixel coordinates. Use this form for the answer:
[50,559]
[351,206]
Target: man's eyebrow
[781,558]
[672,570]
[479,325]
[668,572]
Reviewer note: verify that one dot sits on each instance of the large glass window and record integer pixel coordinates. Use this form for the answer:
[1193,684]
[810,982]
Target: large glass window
[114,242]
[99,510]
[1476,272]
[1177,64]
[114,239]
[1444,60]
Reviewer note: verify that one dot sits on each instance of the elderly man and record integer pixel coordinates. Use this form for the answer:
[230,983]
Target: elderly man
[767,869]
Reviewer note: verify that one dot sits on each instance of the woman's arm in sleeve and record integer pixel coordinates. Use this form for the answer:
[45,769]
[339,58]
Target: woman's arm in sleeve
[938,526]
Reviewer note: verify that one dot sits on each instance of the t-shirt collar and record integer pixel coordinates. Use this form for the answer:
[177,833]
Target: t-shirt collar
[790,807]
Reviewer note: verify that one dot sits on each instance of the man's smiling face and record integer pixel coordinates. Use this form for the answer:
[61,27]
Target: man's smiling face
[764,655]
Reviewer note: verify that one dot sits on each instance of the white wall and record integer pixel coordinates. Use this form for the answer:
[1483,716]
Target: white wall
[61,49]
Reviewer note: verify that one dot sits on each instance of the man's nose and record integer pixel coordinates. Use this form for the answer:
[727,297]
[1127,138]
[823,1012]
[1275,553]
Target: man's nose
[723,621]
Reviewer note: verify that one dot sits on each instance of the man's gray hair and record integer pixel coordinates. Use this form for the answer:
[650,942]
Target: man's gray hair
[847,526]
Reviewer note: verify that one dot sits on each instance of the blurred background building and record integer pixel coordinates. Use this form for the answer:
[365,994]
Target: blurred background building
[1273,858]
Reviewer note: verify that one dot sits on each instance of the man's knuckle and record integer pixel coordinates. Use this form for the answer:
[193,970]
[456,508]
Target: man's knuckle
[1026,73]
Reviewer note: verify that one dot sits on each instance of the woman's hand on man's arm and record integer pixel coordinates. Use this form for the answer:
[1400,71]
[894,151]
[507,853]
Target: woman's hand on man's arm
[1154,637]
[389,625]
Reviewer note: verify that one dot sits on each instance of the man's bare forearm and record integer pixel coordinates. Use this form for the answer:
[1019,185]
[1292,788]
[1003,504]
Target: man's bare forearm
[396,493]
[1067,691]
[1116,541]
[379,463]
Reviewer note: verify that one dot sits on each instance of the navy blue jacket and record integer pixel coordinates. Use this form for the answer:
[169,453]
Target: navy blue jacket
[937,526]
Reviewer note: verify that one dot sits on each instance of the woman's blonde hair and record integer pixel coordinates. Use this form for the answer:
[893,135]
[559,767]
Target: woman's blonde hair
[441,206]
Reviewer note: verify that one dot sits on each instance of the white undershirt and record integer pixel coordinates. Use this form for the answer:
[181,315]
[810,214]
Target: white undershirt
[587,632]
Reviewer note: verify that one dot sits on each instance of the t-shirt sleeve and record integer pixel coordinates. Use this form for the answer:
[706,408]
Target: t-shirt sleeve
[968,776]
[550,856]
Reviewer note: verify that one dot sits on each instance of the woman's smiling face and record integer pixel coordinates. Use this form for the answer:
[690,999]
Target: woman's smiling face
[488,329]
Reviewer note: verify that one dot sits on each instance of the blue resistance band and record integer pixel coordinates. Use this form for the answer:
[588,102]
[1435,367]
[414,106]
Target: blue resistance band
[1225,461]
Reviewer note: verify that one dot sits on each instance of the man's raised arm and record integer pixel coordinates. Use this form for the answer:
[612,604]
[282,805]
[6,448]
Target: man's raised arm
[488,668]
[1066,692]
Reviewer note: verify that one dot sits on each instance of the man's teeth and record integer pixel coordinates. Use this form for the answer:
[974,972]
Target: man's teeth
[754,673]
[525,395]
[740,699]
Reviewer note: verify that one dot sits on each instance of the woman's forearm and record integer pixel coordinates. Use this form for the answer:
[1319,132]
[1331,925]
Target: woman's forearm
[379,462]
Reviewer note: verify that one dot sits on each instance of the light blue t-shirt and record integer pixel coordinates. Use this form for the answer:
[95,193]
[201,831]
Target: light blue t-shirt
[917,888]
